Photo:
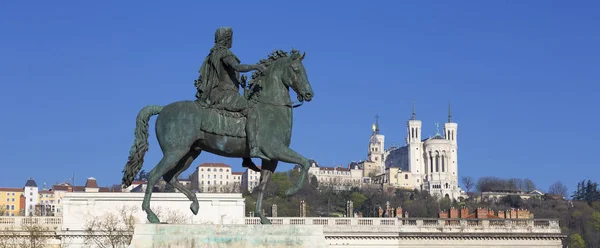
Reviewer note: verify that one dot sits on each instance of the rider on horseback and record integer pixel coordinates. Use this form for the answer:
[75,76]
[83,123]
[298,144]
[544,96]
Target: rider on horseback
[218,86]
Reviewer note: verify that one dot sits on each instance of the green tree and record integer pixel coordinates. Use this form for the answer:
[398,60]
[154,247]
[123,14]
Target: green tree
[357,199]
[576,241]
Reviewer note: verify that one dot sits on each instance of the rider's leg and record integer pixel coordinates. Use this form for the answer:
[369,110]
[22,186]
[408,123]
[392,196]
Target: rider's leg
[251,130]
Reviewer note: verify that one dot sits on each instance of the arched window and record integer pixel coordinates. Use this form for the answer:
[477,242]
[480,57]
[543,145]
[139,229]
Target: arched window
[208,169]
[437,162]
[220,170]
[443,163]
[405,176]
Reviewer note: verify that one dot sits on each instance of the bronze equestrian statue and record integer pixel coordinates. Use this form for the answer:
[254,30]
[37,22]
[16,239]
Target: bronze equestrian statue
[216,121]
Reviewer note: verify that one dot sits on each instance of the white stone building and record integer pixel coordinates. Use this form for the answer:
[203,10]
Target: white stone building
[215,177]
[339,177]
[31,197]
[429,164]
[250,179]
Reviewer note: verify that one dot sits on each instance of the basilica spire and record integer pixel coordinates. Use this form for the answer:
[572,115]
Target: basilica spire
[414,114]
[449,113]
[376,125]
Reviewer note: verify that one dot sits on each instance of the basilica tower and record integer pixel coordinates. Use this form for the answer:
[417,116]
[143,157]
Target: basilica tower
[415,149]
[377,148]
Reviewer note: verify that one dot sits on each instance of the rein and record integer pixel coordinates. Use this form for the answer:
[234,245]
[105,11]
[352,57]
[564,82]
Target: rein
[289,104]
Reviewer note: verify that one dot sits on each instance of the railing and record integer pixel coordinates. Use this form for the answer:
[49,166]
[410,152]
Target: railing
[423,224]
[20,222]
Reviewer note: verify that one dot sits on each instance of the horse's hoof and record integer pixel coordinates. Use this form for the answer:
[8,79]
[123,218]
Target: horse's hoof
[153,219]
[291,191]
[265,221]
[194,207]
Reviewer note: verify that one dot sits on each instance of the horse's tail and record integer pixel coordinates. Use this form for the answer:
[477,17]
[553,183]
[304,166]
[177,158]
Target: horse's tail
[140,145]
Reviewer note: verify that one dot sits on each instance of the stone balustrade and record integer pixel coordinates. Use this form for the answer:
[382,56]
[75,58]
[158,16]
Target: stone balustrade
[19,222]
[423,224]
[360,232]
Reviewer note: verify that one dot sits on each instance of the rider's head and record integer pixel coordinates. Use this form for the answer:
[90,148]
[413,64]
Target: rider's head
[224,36]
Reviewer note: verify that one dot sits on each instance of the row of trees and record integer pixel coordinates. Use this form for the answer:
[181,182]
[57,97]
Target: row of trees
[494,184]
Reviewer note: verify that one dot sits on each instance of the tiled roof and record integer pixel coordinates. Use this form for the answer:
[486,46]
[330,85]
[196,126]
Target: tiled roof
[214,165]
[237,173]
[30,183]
[91,183]
[46,192]
[103,189]
[11,189]
[60,188]
[78,188]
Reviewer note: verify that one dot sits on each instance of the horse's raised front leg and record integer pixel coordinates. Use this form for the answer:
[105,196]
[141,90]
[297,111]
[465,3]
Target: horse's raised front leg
[268,167]
[167,163]
[172,178]
[287,155]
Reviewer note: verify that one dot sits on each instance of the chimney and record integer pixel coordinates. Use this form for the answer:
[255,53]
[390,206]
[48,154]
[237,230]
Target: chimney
[481,213]
[464,212]
[91,185]
[454,213]
[501,215]
[274,210]
[443,214]
[399,212]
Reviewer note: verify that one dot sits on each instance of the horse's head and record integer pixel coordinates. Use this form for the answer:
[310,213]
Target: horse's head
[294,76]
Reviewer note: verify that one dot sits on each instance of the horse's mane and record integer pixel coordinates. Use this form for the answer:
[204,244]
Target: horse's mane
[274,56]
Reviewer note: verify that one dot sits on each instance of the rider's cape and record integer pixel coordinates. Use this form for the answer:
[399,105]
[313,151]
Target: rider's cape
[209,72]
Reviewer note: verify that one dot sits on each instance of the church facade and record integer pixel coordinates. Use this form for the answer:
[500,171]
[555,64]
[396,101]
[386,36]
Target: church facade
[429,164]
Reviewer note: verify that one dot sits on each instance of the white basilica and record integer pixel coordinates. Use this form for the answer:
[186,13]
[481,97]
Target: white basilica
[429,164]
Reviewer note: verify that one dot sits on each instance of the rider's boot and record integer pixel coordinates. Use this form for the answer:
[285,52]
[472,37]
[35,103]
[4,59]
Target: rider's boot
[248,163]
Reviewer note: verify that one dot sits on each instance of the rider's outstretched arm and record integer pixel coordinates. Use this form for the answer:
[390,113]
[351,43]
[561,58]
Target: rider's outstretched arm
[232,62]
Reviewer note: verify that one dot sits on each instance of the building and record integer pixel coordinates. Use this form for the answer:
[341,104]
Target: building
[46,202]
[59,190]
[250,179]
[338,177]
[215,177]
[31,197]
[10,201]
[429,164]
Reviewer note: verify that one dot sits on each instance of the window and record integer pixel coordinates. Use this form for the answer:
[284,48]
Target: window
[220,170]
[227,170]
[208,182]
[221,176]
[405,176]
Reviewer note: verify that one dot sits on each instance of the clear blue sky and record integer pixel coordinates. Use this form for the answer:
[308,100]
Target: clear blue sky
[522,77]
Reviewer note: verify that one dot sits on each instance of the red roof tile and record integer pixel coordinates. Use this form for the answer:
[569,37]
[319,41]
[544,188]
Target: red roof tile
[60,188]
[91,183]
[237,173]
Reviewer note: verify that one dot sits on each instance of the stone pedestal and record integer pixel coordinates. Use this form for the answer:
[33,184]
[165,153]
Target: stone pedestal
[239,236]
[79,208]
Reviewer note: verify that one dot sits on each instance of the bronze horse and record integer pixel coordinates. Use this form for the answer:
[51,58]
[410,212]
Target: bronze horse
[180,134]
